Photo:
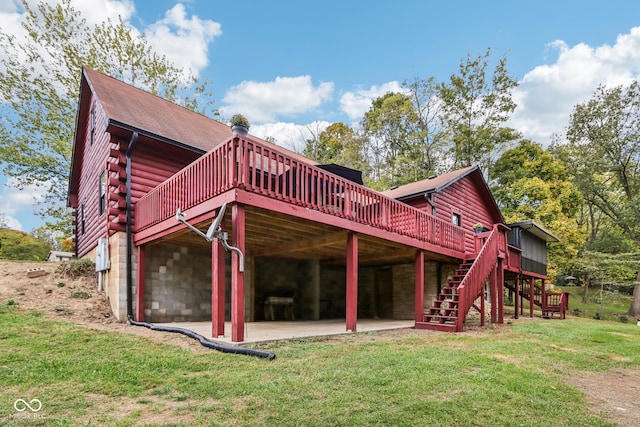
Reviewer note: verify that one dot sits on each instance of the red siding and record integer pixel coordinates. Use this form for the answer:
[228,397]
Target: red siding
[93,164]
[152,162]
[463,198]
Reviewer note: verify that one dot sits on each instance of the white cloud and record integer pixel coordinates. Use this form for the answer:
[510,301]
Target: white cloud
[283,97]
[97,11]
[547,94]
[10,222]
[355,104]
[185,40]
[289,135]
[18,203]
[94,11]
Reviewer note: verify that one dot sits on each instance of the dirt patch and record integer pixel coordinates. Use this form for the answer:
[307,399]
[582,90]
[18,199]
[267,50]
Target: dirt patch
[613,395]
[55,295]
[77,300]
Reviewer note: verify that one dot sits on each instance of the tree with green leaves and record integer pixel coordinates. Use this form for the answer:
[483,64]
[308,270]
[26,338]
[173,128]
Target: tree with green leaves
[529,184]
[428,132]
[395,142]
[386,128]
[475,107]
[39,83]
[338,144]
[617,269]
[603,152]
[17,245]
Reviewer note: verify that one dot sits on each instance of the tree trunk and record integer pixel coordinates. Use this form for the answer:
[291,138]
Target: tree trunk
[634,310]
[585,293]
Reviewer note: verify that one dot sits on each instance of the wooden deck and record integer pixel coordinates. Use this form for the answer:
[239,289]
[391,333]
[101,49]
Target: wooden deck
[288,191]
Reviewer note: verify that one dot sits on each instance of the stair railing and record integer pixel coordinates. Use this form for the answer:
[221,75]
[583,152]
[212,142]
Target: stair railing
[472,284]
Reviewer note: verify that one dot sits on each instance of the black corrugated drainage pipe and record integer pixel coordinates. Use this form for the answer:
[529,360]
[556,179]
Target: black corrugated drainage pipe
[205,342]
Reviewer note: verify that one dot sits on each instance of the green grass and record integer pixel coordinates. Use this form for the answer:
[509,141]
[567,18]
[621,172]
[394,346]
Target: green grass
[506,376]
[607,306]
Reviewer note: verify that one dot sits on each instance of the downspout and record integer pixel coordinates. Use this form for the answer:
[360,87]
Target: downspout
[129,229]
[75,232]
[427,197]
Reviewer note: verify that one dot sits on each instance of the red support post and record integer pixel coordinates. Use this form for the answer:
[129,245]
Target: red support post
[217,289]
[419,269]
[461,303]
[352,281]
[237,277]
[140,285]
[531,295]
[500,287]
[483,309]
[494,294]
[516,302]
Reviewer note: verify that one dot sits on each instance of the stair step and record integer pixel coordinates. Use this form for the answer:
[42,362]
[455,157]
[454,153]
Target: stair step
[451,303]
[443,314]
[436,326]
[449,314]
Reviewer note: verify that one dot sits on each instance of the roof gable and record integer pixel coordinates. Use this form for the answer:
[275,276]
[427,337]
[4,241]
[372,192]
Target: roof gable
[431,185]
[128,109]
[438,183]
[133,109]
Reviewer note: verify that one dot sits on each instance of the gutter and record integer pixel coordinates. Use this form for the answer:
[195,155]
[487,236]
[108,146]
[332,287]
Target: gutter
[129,228]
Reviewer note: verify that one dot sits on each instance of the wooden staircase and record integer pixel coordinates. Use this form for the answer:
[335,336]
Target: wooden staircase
[450,308]
[443,314]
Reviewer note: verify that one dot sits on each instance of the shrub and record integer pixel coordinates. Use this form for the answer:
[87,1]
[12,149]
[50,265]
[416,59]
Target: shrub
[80,294]
[77,268]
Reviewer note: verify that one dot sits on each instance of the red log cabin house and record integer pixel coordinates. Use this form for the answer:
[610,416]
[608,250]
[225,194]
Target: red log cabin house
[307,235]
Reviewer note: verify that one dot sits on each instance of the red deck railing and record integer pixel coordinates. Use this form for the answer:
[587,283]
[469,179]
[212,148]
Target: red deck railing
[514,258]
[258,168]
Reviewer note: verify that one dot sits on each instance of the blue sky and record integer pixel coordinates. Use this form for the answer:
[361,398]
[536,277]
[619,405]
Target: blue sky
[291,66]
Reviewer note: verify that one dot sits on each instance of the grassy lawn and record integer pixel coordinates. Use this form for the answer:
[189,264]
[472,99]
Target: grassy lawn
[512,375]
[606,305]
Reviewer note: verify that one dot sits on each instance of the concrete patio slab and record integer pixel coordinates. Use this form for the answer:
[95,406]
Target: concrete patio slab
[281,330]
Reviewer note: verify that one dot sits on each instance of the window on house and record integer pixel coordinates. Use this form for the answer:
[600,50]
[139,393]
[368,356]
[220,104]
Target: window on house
[102,192]
[82,218]
[92,124]
[455,219]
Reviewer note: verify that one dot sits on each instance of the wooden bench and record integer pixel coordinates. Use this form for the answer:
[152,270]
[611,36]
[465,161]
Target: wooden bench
[271,301]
